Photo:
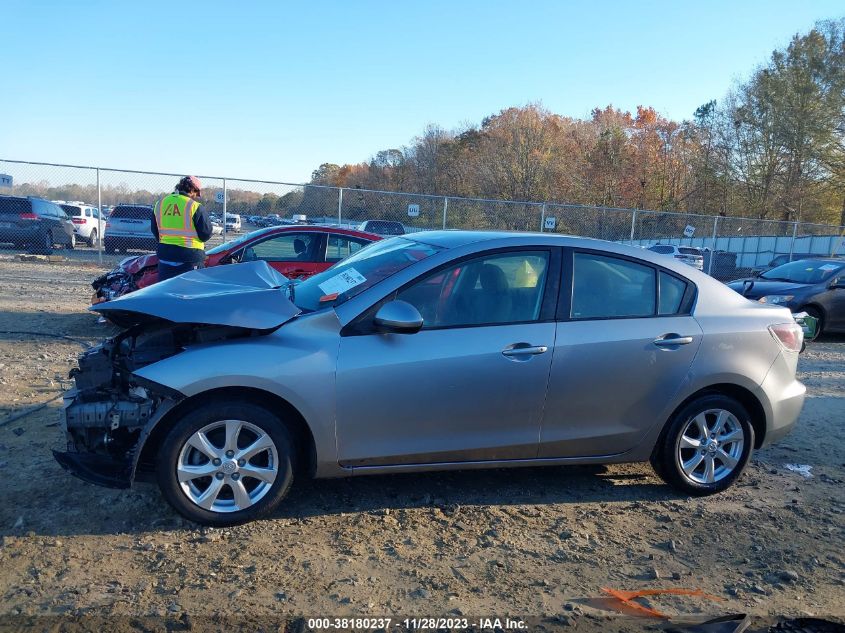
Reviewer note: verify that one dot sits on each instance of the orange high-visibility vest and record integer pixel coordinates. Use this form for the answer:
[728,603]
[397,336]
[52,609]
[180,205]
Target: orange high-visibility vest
[174,215]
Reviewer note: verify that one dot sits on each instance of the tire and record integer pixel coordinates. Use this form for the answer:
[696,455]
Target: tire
[109,248]
[45,244]
[72,243]
[816,314]
[92,239]
[721,461]
[214,421]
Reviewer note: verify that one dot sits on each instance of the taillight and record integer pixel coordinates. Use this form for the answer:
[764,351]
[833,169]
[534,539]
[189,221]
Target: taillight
[790,335]
[78,220]
[108,225]
[28,216]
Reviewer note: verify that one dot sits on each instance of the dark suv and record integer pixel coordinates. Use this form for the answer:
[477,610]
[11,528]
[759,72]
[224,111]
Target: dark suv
[34,223]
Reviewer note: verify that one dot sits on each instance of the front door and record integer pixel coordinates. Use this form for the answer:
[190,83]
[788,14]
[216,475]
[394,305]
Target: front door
[295,255]
[470,385]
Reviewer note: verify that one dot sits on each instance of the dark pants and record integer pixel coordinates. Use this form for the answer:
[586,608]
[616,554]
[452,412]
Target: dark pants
[166,271]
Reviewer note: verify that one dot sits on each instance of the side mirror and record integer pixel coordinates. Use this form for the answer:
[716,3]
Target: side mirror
[837,284]
[399,317]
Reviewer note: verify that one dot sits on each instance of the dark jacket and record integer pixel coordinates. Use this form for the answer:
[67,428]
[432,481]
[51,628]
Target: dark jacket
[173,253]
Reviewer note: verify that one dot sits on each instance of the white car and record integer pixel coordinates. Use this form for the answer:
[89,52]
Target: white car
[687,254]
[233,222]
[87,223]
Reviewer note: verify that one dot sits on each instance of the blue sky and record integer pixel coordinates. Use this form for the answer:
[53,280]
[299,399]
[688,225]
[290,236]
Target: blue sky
[273,89]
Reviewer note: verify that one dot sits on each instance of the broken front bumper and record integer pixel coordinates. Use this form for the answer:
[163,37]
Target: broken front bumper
[105,437]
[102,470]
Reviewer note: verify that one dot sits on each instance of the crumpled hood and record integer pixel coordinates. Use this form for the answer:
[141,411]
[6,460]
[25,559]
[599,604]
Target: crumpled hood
[249,295]
[762,287]
[137,263]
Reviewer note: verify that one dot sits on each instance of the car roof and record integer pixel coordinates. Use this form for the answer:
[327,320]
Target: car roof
[310,228]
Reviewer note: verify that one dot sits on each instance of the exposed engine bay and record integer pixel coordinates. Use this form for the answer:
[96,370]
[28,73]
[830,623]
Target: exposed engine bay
[112,411]
[108,411]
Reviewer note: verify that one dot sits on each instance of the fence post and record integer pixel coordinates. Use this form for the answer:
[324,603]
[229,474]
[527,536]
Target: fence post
[792,243]
[225,203]
[445,210]
[633,226]
[339,204]
[542,217]
[713,246]
[99,221]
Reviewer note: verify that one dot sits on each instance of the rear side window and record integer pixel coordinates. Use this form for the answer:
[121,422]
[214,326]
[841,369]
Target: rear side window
[132,212]
[14,206]
[672,292]
[663,250]
[608,287]
[686,250]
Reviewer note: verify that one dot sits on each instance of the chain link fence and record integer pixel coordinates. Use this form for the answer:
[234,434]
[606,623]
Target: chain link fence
[109,213]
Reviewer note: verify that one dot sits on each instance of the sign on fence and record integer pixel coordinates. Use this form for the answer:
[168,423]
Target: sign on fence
[689,231]
[413,210]
[5,180]
[219,197]
[550,223]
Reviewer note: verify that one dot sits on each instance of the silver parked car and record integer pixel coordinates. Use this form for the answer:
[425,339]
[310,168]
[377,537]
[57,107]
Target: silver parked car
[442,350]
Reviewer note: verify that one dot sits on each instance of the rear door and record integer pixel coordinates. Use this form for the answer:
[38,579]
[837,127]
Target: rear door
[615,365]
[339,246]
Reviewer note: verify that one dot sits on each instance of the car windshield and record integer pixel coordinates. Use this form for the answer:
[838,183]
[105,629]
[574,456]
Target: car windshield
[360,271]
[804,271]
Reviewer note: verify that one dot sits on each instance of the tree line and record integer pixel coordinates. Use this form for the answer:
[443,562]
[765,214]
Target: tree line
[772,148]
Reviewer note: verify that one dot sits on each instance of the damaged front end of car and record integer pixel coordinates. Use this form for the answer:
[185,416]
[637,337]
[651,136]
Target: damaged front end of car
[131,274]
[111,412]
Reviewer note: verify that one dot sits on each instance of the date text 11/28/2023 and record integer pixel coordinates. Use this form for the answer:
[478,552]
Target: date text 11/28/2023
[416,623]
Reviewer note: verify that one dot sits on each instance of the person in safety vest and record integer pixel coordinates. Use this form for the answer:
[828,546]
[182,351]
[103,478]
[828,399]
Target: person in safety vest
[181,228]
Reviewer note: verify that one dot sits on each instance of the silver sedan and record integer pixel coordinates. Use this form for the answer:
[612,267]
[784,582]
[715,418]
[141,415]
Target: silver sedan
[431,351]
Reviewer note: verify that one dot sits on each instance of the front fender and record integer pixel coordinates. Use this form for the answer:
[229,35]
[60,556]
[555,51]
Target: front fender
[297,363]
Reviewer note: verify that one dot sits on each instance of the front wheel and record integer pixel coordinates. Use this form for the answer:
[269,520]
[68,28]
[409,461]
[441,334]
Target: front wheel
[226,463]
[706,446]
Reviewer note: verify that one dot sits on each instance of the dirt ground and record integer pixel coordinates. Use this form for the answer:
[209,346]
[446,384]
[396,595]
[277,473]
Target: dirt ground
[526,542]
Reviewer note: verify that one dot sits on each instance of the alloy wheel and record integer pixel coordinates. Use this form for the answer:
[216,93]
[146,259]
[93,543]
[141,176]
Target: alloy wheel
[227,466]
[710,446]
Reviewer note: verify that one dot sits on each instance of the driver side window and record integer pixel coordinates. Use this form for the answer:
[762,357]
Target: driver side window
[493,290]
[288,247]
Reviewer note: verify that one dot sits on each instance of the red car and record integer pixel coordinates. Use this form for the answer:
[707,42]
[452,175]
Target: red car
[295,251]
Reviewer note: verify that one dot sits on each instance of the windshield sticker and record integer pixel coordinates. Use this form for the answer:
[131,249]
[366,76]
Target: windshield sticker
[828,267]
[339,284]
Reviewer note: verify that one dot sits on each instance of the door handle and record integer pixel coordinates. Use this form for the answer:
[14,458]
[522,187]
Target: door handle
[670,340]
[524,349]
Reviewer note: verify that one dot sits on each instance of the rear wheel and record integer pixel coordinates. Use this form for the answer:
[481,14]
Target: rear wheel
[93,240]
[72,243]
[109,248]
[226,463]
[706,446]
[43,244]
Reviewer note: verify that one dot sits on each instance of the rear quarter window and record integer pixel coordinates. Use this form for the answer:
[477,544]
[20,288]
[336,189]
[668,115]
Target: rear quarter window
[686,250]
[672,292]
[663,250]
